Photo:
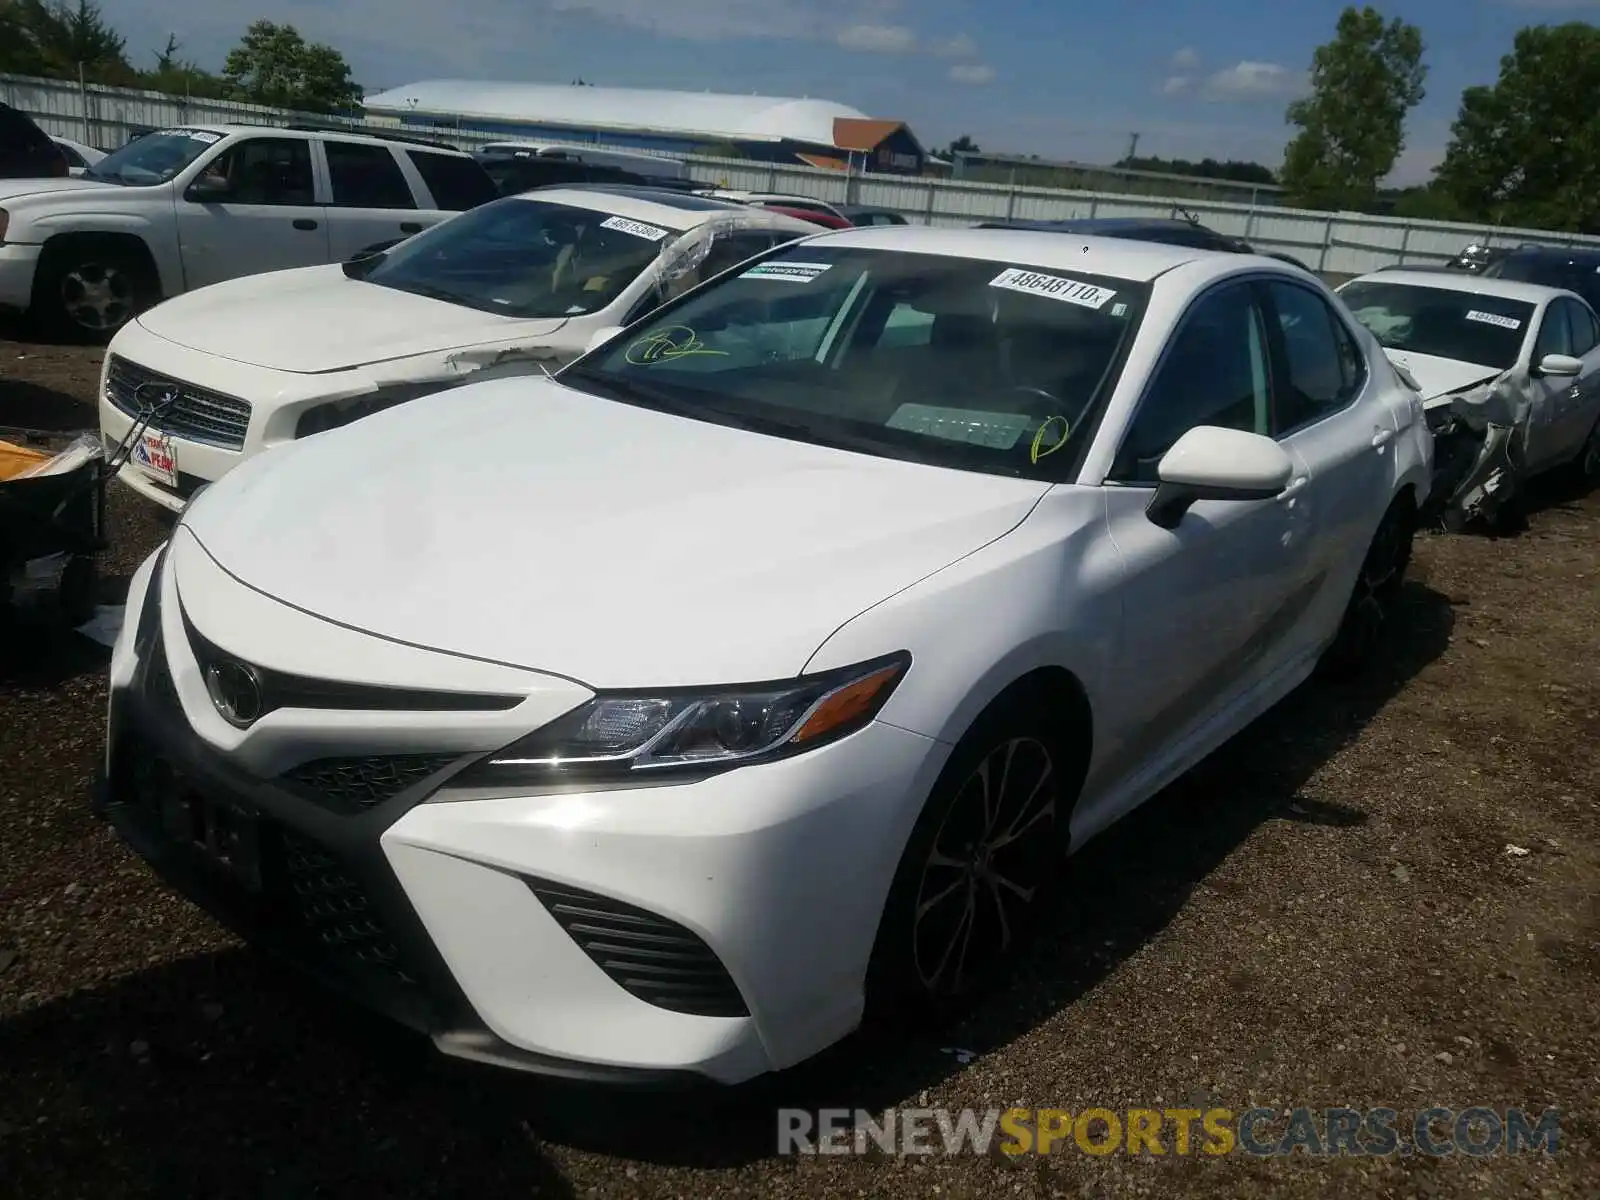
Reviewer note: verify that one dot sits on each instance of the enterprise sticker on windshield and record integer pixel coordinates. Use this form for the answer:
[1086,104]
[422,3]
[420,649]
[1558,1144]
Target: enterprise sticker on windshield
[796,272]
[650,233]
[1494,319]
[1073,291]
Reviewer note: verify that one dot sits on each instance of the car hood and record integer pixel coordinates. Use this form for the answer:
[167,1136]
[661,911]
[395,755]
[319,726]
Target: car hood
[1436,376]
[315,319]
[531,524]
[13,189]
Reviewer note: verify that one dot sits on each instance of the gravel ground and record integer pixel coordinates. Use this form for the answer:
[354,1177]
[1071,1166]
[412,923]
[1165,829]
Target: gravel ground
[1326,913]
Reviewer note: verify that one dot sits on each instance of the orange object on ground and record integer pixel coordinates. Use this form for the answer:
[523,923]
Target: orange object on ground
[14,459]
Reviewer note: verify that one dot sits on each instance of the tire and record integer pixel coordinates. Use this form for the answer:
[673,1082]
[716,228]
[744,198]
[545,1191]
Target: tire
[1370,611]
[979,865]
[88,291]
[1589,458]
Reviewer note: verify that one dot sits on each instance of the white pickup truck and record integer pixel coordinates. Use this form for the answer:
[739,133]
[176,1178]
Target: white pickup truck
[180,208]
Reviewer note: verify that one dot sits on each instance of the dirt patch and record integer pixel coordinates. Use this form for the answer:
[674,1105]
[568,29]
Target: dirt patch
[1326,914]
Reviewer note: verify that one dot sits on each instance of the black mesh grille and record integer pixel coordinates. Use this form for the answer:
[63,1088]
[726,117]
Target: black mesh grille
[660,962]
[352,785]
[334,910]
[198,415]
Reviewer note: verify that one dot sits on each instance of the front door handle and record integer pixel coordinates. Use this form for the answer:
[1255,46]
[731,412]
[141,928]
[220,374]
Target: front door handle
[304,223]
[1382,438]
[410,226]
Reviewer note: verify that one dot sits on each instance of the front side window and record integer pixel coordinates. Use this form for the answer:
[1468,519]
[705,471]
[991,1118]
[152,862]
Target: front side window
[1581,326]
[1487,331]
[1214,373]
[972,364]
[1554,335]
[523,257]
[366,176]
[154,158]
[1318,371]
[263,171]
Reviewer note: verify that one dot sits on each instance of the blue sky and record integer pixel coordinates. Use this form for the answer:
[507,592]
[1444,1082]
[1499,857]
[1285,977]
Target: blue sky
[1063,79]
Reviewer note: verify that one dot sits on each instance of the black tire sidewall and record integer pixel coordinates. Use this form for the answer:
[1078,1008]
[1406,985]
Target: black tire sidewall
[57,263]
[893,990]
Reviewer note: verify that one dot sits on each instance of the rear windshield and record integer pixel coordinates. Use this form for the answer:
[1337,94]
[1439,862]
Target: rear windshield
[956,362]
[1487,331]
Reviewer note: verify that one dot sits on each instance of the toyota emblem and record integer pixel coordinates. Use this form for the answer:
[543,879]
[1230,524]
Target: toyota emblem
[236,691]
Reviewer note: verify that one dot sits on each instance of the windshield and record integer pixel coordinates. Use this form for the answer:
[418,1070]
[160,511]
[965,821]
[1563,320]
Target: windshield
[154,158]
[524,258]
[1465,326]
[1550,271]
[978,365]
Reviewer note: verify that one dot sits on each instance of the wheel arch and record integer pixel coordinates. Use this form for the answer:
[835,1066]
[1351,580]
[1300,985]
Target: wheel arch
[134,245]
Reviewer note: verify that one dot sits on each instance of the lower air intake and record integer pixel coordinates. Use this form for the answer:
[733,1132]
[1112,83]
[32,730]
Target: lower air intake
[660,962]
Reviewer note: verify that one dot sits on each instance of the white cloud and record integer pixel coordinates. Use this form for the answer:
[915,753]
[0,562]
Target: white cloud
[1186,59]
[975,74]
[960,46]
[1253,80]
[878,39]
[1176,85]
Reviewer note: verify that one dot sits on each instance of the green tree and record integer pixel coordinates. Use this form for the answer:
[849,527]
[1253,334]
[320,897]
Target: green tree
[1526,151]
[56,40]
[274,65]
[1352,125]
[179,76]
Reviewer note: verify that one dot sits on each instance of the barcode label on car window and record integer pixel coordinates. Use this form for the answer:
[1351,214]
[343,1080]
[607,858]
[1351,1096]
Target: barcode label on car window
[1494,319]
[1057,287]
[650,233]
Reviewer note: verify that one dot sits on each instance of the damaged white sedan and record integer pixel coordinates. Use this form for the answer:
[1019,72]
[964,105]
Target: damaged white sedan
[521,285]
[1509,374]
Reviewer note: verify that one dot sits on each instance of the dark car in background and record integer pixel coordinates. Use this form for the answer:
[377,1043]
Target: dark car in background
[26,151]
[1476,258]
[518,172]
[1551,266]
[865,215]
[1171,232]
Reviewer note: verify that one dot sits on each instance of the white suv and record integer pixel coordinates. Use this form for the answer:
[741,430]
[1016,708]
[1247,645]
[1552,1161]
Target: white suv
[181,208]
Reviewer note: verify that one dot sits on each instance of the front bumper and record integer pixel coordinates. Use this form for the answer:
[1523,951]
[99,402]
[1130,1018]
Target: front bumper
[18,263]
[455,916]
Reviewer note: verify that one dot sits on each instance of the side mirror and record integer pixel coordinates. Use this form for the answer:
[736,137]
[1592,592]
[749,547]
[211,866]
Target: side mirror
[209,189]
[1561,365]
[1211,463]
[601,336]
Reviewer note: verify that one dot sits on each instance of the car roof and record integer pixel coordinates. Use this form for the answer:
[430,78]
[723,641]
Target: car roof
[645,204]
[1121,258]
[1462,281]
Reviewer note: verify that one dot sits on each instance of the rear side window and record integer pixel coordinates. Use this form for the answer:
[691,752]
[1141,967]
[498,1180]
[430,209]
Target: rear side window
[1323,371]
[457,182]
[366,176]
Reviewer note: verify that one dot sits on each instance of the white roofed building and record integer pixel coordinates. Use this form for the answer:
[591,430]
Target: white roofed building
[766,128]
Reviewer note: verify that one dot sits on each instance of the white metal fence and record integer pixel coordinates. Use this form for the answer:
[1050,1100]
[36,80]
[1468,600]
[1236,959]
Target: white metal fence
[1335,244]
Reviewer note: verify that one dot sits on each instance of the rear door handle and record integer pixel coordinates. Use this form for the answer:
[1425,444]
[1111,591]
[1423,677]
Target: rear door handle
[1296,486]
[410,227]
[1382,438]
[304,223]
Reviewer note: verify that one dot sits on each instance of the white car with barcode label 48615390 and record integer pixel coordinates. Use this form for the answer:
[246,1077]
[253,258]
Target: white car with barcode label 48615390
[517,285]
[760,668]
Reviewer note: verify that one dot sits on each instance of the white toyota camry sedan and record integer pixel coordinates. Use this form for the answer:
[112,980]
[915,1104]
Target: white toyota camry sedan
[762,668]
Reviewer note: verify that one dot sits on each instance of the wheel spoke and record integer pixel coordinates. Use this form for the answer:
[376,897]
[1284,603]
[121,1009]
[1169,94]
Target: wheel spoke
[927,905]
[958,936]
[1015,833]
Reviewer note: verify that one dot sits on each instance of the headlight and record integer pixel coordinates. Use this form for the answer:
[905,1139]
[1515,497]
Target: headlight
[629,735]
